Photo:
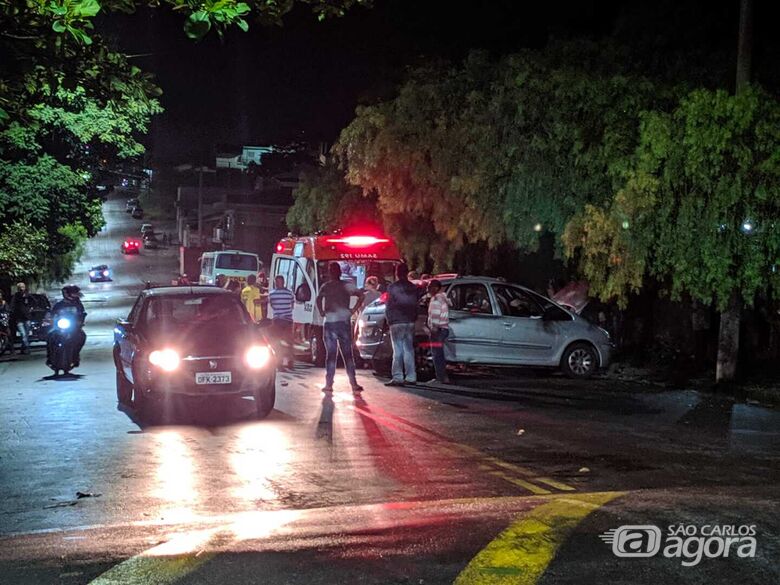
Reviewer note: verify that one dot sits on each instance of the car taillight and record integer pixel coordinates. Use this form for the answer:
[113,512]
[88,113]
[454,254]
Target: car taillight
[383,298]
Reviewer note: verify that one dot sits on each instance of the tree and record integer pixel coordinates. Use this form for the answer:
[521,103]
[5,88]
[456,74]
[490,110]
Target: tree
[325,202]
[698,210]
[490,152]
[71,106]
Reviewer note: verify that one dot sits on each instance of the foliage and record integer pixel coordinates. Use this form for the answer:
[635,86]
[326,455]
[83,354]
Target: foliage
[698,208]
[22,249]
[71,107]
[489,152]
[324,202]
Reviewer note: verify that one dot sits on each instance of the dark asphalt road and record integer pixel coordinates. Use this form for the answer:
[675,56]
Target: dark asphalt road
[501,479]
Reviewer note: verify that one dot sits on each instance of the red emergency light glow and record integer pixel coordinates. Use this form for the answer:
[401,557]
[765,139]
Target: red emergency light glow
[358,241]
[279,247]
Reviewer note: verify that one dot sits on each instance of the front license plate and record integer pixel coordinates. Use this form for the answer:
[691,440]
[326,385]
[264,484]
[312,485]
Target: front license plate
[213,378]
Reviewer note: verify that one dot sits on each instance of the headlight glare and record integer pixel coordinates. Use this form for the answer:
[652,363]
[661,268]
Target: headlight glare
[257,356]
[165,359]
[63,323]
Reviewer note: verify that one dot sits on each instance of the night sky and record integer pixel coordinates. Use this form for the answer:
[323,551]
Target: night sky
[303,81]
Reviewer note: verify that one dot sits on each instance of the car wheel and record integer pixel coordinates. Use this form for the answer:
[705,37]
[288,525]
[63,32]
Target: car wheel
[265,398]
[423,362]
[124,390]
[316,349]
[580,360]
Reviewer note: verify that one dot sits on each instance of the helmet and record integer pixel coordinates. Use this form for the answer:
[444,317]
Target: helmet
[72,290]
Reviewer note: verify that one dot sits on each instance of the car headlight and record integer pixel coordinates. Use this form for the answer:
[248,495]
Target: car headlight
[605,332]
[63,323]
[92,273]
[165,359]
[105,273]
[257,356]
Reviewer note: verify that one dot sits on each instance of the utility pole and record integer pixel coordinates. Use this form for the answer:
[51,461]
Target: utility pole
[730,318]
[200,206]
[745,44]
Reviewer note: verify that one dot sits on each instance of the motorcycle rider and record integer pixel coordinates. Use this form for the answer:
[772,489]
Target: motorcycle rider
[70,307]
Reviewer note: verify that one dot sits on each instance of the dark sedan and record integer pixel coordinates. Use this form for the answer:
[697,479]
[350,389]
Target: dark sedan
[39,324]
[193,341]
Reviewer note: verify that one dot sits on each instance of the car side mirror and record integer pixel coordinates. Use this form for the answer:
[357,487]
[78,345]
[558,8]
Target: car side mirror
[124,326]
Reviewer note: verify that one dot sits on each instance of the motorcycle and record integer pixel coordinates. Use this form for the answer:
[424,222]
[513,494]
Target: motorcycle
[64,343]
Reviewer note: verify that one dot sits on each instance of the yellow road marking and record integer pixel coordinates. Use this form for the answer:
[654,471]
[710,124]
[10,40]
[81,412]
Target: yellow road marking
[162,565]
[522,483]
[521,554]
[450,447]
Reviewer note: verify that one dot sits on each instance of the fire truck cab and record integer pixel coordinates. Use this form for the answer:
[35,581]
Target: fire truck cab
[303,262]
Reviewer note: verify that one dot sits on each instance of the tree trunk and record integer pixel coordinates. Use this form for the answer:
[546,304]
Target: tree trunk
[728,337]
[728,340]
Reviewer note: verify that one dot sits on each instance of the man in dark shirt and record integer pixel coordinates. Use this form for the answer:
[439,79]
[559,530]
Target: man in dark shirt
[333,302]
[21,307]
[401,315]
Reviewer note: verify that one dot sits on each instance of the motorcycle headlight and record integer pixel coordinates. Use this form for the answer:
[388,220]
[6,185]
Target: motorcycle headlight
[63,323]
[165,359]
[257,356]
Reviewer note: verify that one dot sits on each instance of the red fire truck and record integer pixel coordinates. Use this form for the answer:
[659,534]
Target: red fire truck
[303,262]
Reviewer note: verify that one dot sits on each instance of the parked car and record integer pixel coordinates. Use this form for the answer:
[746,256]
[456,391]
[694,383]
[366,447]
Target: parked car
[137,213]
[131,204]
[150,241]
[40,317]
[493,322]
[147,227]
[192,341]
[99,273]
[131,246]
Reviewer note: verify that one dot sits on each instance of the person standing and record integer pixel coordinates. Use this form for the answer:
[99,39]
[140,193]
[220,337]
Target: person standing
[333,303]
[250,296]
[6,341]
[372,291]
[282,301]
[401,315]
[439,326]
[21,307]
[263,285]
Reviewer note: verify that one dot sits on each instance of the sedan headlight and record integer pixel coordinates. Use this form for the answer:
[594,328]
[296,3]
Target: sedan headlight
[105,273]
[165,359]
[257,356]
[92,273]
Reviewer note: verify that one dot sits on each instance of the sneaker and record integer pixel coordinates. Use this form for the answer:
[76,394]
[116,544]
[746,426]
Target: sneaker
[357,389]
[327,389]
[394,383]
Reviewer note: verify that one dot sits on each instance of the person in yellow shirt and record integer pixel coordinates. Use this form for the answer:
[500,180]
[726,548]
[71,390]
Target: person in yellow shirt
[251,297]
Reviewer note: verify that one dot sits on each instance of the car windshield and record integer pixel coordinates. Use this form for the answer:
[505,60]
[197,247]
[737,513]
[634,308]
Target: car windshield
[237,262]
[212,311]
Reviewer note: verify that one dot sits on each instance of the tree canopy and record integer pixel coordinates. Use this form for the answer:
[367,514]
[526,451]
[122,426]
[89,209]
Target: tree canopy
[70,106]
[496,151]
[698,209]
